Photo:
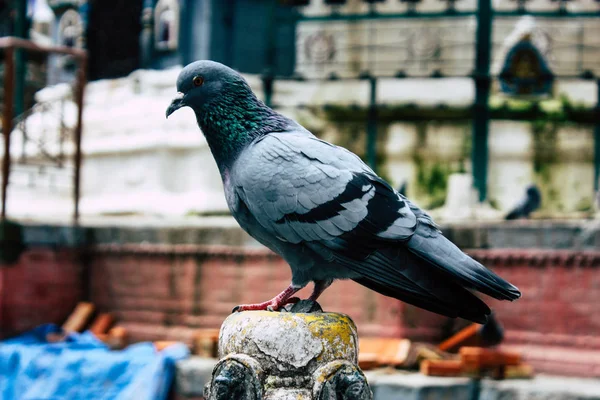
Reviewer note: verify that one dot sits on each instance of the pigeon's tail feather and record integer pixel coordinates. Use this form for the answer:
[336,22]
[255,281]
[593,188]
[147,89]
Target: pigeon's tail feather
[442,253]
[402,275]
[425,302]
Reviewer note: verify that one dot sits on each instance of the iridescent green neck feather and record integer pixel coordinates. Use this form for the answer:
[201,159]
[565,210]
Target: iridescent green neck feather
[234,119]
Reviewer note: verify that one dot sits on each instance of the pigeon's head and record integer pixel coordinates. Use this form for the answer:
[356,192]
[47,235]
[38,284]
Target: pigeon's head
[533,191]
[203,82]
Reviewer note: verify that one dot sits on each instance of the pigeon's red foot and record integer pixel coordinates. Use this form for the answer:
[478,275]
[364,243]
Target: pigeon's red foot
[270,305]
[274,304]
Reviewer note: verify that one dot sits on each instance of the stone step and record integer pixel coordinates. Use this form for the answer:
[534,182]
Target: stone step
[557,360]
[193,373]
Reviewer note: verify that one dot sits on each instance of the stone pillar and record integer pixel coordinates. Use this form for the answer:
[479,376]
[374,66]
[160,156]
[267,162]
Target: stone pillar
[288,355]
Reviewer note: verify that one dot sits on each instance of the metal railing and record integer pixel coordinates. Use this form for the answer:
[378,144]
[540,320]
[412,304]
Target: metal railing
[475,64]
[10,45]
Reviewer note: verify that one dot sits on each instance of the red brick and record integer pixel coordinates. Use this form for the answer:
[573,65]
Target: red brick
[43,286]
[558,304]
[219,308]
[203,321]
[153,317]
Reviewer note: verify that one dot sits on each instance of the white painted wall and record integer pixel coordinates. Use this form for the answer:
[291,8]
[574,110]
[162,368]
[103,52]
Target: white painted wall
[137,162]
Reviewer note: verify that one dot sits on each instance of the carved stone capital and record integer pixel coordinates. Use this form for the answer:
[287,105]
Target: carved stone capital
[288,355]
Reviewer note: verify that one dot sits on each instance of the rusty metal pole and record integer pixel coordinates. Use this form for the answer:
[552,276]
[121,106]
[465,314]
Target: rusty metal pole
[81,81]
[7,117]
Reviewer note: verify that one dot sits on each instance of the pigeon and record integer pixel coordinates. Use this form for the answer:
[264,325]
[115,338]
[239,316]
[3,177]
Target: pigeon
[528,204]
[402,188]
[322,209]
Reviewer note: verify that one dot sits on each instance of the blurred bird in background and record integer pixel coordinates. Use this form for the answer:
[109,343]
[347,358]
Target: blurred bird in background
[530,202]
[402,188]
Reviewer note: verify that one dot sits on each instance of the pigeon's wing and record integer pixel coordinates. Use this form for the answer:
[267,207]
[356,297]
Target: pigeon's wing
[302,189]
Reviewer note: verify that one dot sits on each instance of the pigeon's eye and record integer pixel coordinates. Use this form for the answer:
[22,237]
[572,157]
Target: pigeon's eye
[198,80]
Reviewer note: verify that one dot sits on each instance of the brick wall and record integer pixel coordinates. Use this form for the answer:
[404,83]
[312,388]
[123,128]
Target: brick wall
[42,287]
[561,291]
[166,291]
[556,324]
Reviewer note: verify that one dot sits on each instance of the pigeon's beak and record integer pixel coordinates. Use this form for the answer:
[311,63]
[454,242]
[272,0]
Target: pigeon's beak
[176,104]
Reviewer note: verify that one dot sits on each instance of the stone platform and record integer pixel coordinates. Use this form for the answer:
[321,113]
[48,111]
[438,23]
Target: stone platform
[193,373]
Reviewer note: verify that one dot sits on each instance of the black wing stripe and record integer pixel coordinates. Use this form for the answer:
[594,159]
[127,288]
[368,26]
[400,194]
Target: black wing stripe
[355,189]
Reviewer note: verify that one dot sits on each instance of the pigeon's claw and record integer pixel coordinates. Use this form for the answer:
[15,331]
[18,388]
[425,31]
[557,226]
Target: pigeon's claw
[271,305]
[274,304]
[292,300]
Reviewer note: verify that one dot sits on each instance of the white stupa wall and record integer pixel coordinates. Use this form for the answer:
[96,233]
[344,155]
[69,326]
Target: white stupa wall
[137,162]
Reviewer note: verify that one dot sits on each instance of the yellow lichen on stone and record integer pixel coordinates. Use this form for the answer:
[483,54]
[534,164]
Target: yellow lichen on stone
[298,336]
[338,334]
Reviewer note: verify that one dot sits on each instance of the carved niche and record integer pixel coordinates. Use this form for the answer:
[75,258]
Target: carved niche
[70,29]
[525,71]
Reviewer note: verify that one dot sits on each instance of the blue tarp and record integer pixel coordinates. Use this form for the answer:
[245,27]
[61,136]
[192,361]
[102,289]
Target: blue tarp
[82,367]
